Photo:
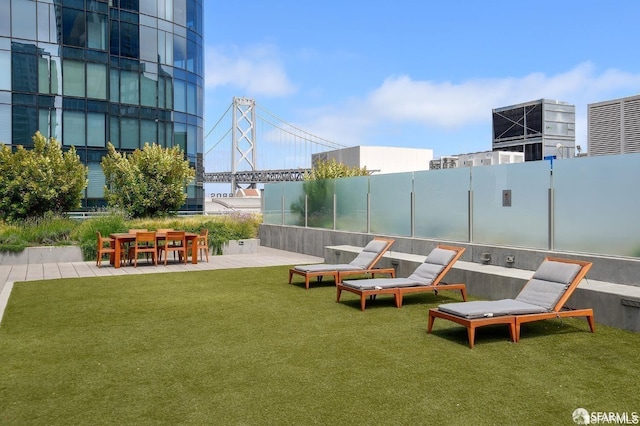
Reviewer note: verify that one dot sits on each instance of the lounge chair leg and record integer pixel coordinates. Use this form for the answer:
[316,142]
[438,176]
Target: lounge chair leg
[430,323]
[306,282]
[516,331]
[290,275]
[463,291]
[512,332]
[363,302]
[398,297]
[471,332]
[338,293]
[592,323]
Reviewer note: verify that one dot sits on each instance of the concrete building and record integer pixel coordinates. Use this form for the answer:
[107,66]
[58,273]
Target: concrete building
[614,126]
[444,162]
[489,158]
[485,158]
[86,73]
[538,129]
[380,159]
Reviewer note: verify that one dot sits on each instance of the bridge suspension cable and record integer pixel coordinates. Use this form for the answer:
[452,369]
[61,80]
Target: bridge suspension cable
[298,131]
[285,149]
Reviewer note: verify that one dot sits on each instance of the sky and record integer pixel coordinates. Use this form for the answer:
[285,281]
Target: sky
[419,74]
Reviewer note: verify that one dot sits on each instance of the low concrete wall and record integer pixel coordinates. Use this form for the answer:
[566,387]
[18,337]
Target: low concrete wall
[42,255]
[312,241]
[612,288]
[248,246]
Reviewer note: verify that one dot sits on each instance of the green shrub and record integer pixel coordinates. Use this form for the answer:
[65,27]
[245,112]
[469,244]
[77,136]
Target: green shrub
[148,182]
[12,243]
[85,232]
[48,230]
[58,230]
[43,179]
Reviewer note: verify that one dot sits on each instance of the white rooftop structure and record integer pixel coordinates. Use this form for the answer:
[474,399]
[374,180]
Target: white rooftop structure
[380,159]
[244,200]
[614,126]
[489,158]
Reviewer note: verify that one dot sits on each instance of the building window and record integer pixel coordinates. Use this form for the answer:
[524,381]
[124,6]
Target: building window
[129,87]
[24,122]
[149,90]
[129,40]
[21,27]
[97,129]
[74,31]
[74,129]
[149,131]
[73,78]
[97,81]
[23,68]
[130,133]
[96,31]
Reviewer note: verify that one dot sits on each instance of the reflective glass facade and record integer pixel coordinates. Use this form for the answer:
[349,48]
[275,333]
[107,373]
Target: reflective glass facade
[92,71]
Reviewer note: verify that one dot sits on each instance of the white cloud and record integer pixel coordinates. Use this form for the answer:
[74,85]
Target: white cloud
[256,71]
[402,101]
[446,104]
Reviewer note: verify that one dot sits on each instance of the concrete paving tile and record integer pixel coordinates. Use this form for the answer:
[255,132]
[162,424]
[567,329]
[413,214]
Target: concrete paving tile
[51,271]
[35,272]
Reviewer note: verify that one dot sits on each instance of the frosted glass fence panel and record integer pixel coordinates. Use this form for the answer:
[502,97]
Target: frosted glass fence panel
[391,204]
[597,204]
[523,224]
[272,214]
[442,204]
[293,203]
[351,203]
[320,202]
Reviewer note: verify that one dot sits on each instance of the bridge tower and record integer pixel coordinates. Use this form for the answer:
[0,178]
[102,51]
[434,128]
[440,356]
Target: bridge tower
[243,138]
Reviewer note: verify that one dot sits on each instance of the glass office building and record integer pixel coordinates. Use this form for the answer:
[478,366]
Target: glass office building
[92,71]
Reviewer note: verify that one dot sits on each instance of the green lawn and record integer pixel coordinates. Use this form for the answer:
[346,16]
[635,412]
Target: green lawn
[242,346]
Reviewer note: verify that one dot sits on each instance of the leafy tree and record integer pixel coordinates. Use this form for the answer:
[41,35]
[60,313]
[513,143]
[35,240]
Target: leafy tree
[40,180]
[318,188]
[331,169]
[147,182]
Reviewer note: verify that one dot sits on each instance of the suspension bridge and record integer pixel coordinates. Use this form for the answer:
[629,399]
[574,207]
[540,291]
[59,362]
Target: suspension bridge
[249,145]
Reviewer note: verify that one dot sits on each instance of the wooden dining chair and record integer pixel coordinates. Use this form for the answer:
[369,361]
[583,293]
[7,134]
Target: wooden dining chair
[127,246]
[145,242]
[161,242]
[175,241]
[106,245]
[203,245]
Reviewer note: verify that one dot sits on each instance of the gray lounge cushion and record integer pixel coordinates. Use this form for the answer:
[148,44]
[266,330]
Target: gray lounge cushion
[426,273]
[432,266]
[440,256]
[326,267]
[368,254]
[548,284]
[559,272]
[490,308]
[380,283]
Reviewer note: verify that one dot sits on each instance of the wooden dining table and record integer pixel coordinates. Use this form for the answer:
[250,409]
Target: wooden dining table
[124,237]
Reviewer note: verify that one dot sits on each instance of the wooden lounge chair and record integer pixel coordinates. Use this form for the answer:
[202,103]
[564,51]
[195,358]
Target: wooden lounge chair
[543,297]
[363,263]
[427,277]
